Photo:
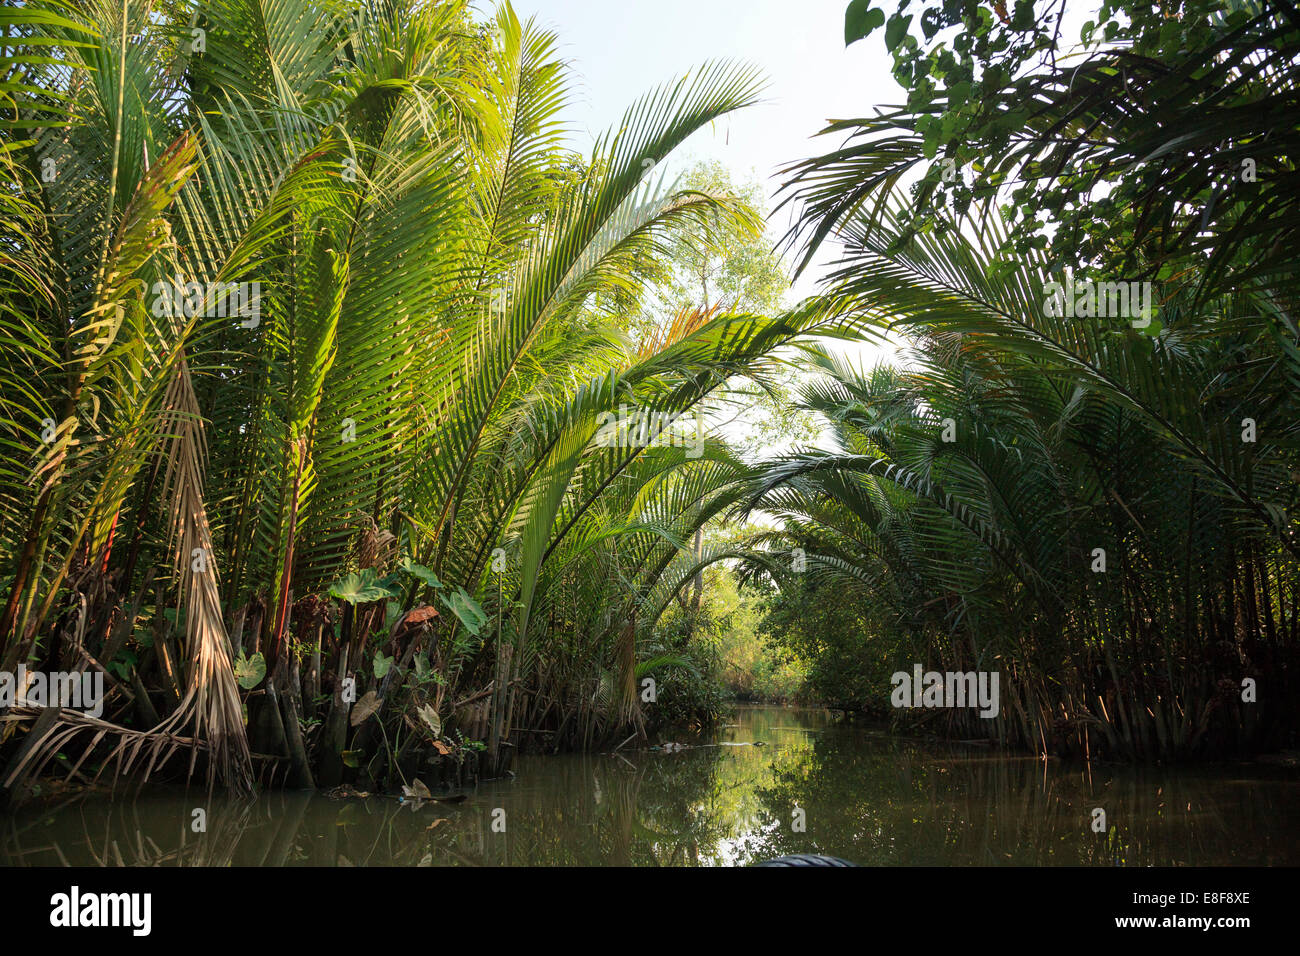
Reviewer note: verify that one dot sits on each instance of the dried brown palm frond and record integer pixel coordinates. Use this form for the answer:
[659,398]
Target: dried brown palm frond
[56,732]
[376,547]
[684,322]
[212,698]
[211,708]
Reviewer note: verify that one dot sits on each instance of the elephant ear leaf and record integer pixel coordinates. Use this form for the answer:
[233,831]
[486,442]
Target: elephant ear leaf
[360,588]
[367,705]
[465,608]
[430,718]
[249,671]
[421,572]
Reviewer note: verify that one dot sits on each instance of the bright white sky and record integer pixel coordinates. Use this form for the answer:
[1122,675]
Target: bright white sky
[619,49]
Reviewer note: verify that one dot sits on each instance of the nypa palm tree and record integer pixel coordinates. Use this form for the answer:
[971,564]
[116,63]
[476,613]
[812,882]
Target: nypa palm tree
[319,301]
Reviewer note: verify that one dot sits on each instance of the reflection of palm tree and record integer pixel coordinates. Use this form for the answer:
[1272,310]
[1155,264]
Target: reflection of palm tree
[899,803]
[869,799]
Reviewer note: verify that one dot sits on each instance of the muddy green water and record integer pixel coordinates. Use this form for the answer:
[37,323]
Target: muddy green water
[864,796]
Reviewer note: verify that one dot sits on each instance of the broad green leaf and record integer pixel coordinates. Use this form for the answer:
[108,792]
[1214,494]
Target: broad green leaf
[123,664]
[360,588]
[465,608]
[895,31]
[430,718]
[860,19]
[249,671]
[391,613]
[421,572]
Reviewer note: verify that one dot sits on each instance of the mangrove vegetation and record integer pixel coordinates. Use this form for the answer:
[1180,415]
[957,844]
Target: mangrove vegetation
[359,429]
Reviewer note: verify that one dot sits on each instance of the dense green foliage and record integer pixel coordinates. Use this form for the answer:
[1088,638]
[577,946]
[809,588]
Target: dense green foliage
[809,623]
[320,345]
[393,463]
[722,654]
[1099,505]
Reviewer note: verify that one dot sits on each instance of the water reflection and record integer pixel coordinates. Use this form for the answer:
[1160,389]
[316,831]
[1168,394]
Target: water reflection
[723,801]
